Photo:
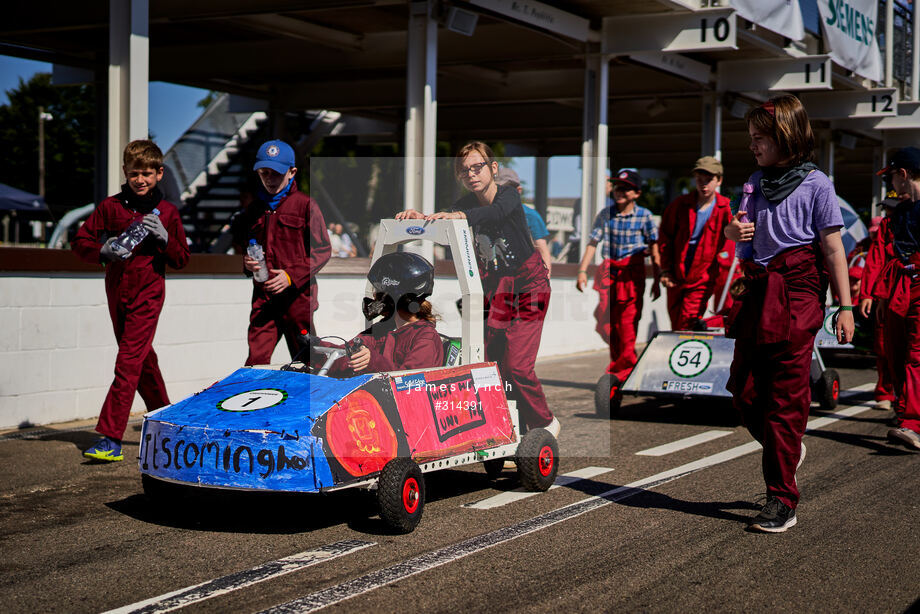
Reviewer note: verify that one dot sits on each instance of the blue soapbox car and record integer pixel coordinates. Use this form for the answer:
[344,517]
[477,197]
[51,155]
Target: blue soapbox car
[286,429]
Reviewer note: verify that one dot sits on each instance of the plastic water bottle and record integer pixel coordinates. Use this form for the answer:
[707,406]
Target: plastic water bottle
[744,250]
[255,252]
[132,236]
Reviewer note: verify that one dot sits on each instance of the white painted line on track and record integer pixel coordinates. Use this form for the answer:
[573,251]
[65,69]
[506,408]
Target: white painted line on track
[193,594]
[436,558]
[682,444]
[518,494]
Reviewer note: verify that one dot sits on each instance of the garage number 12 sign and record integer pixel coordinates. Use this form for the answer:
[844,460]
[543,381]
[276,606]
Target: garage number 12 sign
[690,358]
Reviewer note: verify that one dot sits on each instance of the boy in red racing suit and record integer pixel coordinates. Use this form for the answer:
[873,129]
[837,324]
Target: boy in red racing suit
[879,252]
[690,239]
[135,287]
[628,231]
[899,285]
[290,228]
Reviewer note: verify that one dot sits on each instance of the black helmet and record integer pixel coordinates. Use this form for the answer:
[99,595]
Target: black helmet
[401,279]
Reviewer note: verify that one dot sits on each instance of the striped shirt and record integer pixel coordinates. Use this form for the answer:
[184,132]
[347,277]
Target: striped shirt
[624,234]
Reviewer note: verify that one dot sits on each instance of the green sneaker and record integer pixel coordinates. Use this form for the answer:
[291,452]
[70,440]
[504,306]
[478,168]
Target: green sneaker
[106,449]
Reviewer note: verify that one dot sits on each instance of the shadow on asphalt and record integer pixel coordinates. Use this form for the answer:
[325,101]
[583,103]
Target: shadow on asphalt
[80,439]
[699,412]
[649,499]
[559,383]
[217,510]
[876,444]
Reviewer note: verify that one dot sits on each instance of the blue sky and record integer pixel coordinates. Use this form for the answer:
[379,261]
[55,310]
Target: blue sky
[173,108]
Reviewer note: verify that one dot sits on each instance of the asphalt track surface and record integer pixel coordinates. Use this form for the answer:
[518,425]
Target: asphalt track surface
[660,531]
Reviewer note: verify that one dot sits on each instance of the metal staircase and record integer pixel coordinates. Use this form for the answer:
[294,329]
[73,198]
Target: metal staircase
[210,164]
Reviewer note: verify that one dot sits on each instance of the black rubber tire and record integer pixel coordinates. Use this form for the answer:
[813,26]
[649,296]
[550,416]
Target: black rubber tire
[494,468]
[401,494]
[830,389]
[605,405]
[537,460]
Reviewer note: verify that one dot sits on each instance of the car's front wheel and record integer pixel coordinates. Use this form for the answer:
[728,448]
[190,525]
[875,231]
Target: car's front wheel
[401,494]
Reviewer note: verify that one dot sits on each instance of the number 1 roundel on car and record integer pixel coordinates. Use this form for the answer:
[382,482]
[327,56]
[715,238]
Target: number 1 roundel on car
[359,434]
[253,400]
[690,358]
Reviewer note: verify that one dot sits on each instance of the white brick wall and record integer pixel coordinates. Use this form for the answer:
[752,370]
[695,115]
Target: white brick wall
[57,348]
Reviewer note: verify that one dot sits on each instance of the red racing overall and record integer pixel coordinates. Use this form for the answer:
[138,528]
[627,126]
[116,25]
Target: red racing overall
[517,307]
[879,252]
[416,345]
[294,239]
[135,289]
[687,301]
[620,285]
[774,324]
[899,284]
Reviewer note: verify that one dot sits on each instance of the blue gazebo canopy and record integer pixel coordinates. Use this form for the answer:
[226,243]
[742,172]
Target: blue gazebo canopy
[13,199]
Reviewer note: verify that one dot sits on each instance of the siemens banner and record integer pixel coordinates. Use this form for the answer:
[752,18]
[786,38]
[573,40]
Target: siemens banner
[781,16]
[849,27]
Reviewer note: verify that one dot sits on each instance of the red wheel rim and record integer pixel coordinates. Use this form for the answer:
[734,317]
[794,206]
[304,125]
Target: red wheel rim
[545,461]
[410,495]
[835,390]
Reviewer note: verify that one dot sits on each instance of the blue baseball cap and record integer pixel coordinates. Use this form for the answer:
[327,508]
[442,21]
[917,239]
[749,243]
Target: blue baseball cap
[276,155]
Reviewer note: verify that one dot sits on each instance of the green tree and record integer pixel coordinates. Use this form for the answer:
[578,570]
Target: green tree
[69,141]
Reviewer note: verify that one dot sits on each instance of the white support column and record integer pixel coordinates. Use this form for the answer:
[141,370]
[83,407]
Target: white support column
[594,146]
[541,185]
[711,137]
[889,42]
[915,53]
[717,126]
[128,80]
[421,110]
[601,135]
[706,132]
[878,183]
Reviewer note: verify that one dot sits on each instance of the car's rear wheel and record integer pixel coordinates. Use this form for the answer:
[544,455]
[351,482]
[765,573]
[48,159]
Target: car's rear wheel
[401,494]
[537,460]
[829,388]
[607,398]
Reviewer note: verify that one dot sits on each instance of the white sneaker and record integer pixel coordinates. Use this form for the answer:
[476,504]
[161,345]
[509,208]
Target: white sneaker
[886,404]
[905,436]
[801,457]
[554,427]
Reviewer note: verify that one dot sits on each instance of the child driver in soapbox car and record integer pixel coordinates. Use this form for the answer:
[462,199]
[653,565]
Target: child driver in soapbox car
[405,336]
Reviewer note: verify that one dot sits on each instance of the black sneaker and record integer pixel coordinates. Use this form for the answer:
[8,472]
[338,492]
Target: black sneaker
[775,517]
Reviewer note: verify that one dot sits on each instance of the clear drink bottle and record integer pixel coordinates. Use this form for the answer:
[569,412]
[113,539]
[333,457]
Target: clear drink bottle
[255,252]
[744,250]
[132,236]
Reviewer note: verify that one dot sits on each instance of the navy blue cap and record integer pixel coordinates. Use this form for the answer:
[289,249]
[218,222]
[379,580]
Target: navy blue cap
[276,155]
[907,158]
[629,178]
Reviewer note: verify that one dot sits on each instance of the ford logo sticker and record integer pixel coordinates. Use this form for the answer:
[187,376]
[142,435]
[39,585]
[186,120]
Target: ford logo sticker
[415,230]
